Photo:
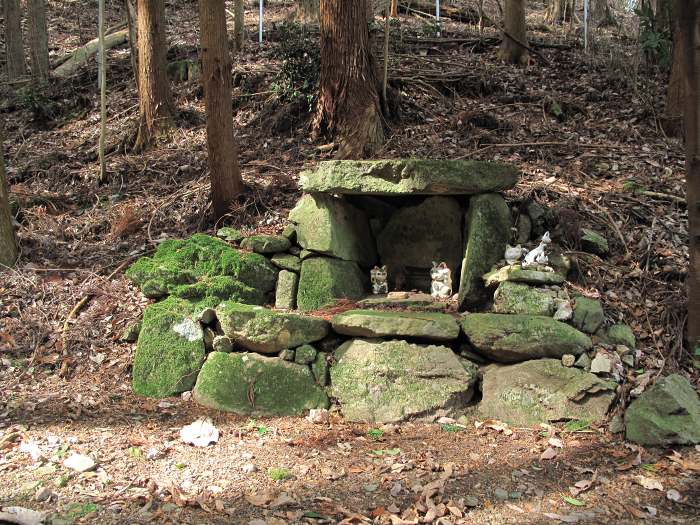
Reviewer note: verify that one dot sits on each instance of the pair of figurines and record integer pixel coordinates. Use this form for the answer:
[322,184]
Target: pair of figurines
[440,276]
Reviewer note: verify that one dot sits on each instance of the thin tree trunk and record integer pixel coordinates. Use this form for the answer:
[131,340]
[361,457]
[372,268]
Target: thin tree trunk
[156,106]
[226,183]
[602,14]
[131,21]
[675,92]
[512,48]
[8,243]
[689,21]
[394,8]
[239,24]
[349,107]
[557,11]
[13,40]
[38,40]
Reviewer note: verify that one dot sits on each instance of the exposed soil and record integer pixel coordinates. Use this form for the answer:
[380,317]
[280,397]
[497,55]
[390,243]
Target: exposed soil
[584,128]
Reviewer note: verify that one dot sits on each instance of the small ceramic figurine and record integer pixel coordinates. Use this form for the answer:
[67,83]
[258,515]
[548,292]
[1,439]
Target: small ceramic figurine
[538,255]
[441,286]
[514,253]
[378,277]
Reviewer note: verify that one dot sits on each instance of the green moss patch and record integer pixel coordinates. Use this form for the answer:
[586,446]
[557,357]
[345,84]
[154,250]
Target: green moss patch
[324,280]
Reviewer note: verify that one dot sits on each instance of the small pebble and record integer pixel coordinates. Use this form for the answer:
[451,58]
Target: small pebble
[249,468]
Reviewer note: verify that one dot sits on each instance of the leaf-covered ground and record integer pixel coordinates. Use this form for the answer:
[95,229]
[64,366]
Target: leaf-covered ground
[584,128]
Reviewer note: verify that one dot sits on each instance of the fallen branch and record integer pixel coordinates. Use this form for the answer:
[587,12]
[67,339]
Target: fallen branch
[81,55]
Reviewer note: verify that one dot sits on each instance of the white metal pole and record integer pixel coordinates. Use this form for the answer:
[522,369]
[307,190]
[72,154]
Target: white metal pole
[260,22]
[437,15]
[585,24]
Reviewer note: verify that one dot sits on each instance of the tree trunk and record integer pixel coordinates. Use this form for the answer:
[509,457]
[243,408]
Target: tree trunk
[239,24]
[514,39]
[155,99]
[689,21]
[394,8]
[602,14]
[675,93]
[558,11]
[307,10]
[13,40]
[226,183]
[38,40]
[349,97]
[8,243]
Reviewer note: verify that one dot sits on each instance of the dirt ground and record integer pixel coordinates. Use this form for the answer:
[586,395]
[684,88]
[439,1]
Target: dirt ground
[586,130]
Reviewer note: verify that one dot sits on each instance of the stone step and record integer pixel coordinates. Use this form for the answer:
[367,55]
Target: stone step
[384,323]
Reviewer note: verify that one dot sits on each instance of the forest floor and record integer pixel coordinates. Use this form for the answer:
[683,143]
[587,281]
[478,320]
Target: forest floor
[586,131]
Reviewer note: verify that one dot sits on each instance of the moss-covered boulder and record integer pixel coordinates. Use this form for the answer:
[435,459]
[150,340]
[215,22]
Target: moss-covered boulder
[266,244]
[324,280]
[170,349]
[588,314]
[488,231]
[542,391]
[387,323]
[247,383]
[666,414]
[409,176]
[331,226]
[287,261]
[517,298]
[517,274]
[266,331]
[382,382]
[305,355]
[203,266]
[320,369]
[621,334]
[513,338]
[417,235]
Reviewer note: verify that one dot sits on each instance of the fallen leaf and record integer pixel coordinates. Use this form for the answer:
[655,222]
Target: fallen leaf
[580,486]
[649,483]
[556,442]
[573,501]
[550,453]
[259,499]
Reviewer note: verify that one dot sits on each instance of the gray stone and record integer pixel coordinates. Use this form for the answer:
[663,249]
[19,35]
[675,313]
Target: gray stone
[305,355]
[541,391]
[266,244]
[286,293]
[324,280]
[602,363]
[320,369]
[583,362]
[404,300]
[621,334]
[331,226]
[230,234]
[594,242]
[290,232]
[287,261]
[666,414]
[563,310]
[247,383]
[409,176]
[616,424]
[131,332]
[517,298]
[588,314]
[287,354]
[629,360]
[80,463]
[306,254]
[415,236]
[524,229]
[513,338]
[516,273]
[383,382]
[266,331]
[488,231]
[385,323]
[222,343]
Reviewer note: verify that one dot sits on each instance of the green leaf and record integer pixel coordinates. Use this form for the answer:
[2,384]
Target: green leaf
[387,452]
[576,425]
[573,501]
[447,427]
[375,433]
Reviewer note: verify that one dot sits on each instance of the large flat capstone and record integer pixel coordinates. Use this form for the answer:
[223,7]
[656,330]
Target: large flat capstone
[377,323]
[247,383]
[266,331]
[409,176]
[513,338]
[543,390]
[394,380]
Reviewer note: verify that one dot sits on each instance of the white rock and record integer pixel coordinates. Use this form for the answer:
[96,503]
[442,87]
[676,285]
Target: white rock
[21,516]
[318,415]
[249,468]
[80,463]
[564,311]
[601,364]
[201,433]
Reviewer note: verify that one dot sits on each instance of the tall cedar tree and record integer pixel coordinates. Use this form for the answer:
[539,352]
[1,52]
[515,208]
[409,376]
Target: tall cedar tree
[156,106]
[689,22]
[38,40]
[8,244]
[239,24]
[226,183]
[13,40]
[512,48]
[349,92]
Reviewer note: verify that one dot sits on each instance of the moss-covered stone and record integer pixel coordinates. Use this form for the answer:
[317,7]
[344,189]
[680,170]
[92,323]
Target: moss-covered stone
[404,301]
[180,263]
[286,292]
[594,242]
[517,274]
[409,176]
[516,298]
[320,369]
[230,234]
[331,226]
[287,261]
[266,331]
[542,391]
[417,235]
[266,244]
[324,280]
[588,314]
[666,414]
[386,323]
[513,338]
[305,355]
[131,332]
[394,380]
[621,334]
[170,349]
[247,383]
[488,231]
